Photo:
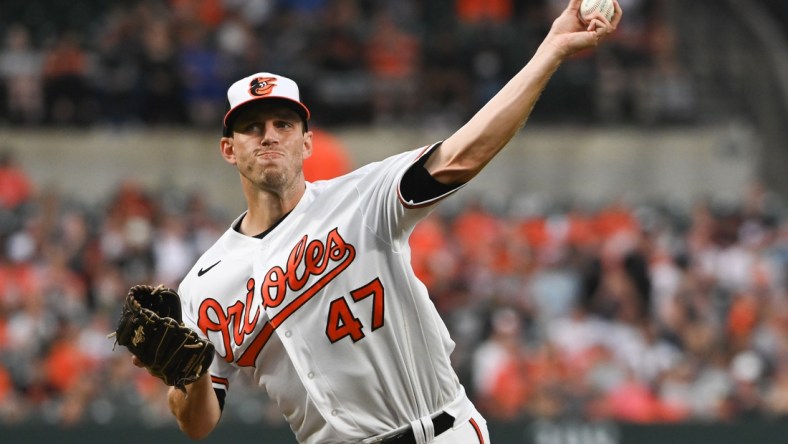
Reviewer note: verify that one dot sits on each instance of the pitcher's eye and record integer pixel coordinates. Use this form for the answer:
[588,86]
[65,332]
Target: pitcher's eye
[250,128]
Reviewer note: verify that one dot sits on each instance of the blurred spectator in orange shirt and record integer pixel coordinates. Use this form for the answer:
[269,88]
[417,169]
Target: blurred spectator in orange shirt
[66,364]
[329,157]
[478,11]
[67,95]
[6,388]
[743,318]
[500,383]
[15,186]
[432,261]
[393,59]
[207,12]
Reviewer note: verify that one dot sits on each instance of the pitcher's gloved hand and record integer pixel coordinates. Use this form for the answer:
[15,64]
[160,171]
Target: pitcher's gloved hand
[151,327]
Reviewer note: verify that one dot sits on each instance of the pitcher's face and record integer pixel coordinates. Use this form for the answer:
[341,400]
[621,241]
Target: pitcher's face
[268,146]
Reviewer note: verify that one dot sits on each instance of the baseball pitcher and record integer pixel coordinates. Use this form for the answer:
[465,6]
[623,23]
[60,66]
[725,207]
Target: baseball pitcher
[310,292]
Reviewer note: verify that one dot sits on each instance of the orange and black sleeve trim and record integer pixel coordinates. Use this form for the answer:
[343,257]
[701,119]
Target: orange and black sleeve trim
[418,185]
[221,392]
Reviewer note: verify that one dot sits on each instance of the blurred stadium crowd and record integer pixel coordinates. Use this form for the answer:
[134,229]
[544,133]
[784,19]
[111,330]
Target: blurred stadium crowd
[631,312]
[641,313]
[168,62]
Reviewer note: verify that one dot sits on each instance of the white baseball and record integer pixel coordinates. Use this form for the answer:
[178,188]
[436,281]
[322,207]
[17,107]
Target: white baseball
[590,7]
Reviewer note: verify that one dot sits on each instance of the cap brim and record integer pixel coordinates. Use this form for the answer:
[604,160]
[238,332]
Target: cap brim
[298,107]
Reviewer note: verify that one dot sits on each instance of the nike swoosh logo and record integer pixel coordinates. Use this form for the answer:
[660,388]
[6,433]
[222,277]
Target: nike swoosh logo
[202,271]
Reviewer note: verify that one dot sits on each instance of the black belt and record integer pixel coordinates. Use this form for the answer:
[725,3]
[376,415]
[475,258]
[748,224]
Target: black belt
[442,422]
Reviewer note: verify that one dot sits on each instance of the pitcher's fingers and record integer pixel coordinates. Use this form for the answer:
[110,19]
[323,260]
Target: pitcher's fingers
[574,6]
[617,14]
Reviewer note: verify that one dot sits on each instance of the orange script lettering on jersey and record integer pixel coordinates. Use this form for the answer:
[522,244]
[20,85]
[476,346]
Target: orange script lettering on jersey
[306,259]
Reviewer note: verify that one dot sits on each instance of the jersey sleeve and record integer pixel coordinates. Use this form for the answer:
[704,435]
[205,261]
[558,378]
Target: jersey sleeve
[385,209]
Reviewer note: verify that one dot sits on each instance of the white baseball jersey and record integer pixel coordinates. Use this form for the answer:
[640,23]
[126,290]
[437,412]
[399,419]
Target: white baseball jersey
[325,313]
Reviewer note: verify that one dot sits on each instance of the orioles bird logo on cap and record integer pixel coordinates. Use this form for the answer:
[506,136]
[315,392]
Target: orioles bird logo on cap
[262,86]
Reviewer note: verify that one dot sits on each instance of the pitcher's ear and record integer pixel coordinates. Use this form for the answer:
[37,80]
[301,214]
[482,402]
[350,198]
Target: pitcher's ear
[227,148]
[308,144]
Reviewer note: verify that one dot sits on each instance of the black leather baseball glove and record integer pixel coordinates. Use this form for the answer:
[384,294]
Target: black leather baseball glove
[151,327]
